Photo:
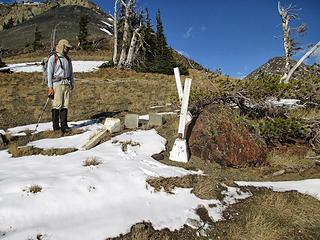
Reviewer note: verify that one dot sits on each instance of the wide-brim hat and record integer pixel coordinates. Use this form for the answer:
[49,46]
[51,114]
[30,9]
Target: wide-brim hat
[62,45]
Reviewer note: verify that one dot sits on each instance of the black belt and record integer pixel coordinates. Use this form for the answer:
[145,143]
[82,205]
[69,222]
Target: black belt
[58,79]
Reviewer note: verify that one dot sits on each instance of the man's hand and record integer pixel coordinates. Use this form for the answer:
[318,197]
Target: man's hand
[50,92]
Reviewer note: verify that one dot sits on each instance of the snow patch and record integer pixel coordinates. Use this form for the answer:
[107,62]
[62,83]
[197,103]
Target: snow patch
[288,103]
[232,196]
[309,186]
[106,31]
[146,116]
[19,131]
[108,24]
[78,66]
[96,202]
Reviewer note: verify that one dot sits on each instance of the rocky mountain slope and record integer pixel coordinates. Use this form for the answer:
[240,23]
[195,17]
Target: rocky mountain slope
[276,66]
[66,18]
[20,12]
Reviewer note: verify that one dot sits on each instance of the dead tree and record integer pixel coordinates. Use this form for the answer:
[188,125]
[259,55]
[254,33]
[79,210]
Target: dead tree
[131,36]
[133,44]
[126,30]
[115,34]
[304,57]
[287,14]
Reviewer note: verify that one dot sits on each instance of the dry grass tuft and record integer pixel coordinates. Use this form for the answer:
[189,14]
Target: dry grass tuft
[289,161]
[91,162]
[124,145]
[204,187]
[16,151]
[33,189]
[304,113]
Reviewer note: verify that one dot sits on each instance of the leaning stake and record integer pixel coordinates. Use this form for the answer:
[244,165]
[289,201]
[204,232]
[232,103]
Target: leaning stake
[43,109]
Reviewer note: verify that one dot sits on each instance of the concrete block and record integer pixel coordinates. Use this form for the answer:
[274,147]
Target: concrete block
[155,119]
[112,124]
[131,121]
[95,139]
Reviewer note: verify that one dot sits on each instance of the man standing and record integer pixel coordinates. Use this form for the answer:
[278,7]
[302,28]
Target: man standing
[60,84]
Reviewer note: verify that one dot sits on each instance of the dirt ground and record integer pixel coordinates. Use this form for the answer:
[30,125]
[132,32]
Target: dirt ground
[110,92]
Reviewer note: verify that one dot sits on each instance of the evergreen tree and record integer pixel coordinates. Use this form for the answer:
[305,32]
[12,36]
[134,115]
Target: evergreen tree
[37,39]
[149,39]
[83,28]
[164,61]
[161,39]
[149,46]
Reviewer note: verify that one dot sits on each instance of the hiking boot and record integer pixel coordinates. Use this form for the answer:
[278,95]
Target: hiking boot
[55,119]
[64,120]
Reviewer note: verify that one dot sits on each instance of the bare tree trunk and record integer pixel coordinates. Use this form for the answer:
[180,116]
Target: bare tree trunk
[126,30]
[115,34]
[131,53]
[312,50]
[286,37]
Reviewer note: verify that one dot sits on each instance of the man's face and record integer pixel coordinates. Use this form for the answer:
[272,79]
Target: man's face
[66,50]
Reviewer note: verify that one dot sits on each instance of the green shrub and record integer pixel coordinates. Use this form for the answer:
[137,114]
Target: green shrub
[280,129]
[263,87]
[306,89]
[196,94]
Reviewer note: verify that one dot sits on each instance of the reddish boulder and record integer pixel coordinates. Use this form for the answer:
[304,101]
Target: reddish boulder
[221,135]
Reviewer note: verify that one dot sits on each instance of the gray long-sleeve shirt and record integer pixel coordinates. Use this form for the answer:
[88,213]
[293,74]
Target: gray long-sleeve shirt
[55,71]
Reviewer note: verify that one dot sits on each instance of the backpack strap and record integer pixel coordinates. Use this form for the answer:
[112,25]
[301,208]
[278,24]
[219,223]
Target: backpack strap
[56,58]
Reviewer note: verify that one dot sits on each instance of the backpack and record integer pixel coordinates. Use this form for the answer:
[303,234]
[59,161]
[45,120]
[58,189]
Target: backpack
[44,64]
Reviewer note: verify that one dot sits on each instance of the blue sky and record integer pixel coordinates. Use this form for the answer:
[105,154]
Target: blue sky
[235,35]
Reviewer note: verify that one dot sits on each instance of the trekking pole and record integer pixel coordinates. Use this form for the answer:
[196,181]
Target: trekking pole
[43,109]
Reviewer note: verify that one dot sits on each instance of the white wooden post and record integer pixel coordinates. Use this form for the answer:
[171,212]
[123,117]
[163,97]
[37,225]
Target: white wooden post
[178,82]
[180,91]
[184,108]
[179,150]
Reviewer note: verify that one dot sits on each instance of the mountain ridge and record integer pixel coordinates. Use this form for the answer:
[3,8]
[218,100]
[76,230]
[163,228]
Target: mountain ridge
[20,12]
[276,66]
[20,37]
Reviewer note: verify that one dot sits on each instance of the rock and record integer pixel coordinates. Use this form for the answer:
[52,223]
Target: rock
[158,156]
[193,223]
[279,173]
[140,226]
[202,233]
[219,135]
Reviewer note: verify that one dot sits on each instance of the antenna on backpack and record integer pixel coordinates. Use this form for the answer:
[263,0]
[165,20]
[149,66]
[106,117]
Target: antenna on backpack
[53,36]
